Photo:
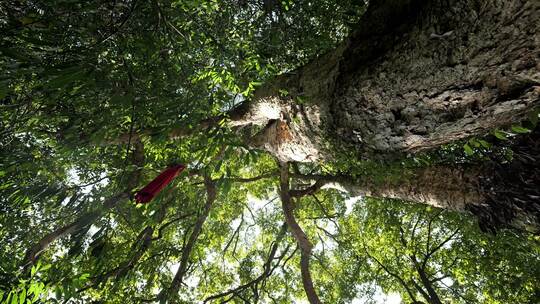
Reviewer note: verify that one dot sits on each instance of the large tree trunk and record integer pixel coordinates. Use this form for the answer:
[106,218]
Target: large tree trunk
[414,76]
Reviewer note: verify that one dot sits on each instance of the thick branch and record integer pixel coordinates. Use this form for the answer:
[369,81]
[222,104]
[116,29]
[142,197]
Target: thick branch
[433,296]
[438,185]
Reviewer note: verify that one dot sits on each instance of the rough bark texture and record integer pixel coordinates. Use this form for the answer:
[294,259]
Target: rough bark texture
[439,186]
[415,75]
[461,68]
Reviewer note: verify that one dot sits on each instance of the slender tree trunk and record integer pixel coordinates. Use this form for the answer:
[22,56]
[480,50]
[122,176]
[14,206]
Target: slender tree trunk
[186,251]
[433,296]
[430,294]
[301,238]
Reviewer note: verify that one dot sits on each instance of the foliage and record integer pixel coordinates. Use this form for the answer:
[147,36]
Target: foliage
[83,83]
[463,265]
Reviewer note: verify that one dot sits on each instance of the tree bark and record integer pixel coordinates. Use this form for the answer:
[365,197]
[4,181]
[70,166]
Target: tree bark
[439,186]
[414,76]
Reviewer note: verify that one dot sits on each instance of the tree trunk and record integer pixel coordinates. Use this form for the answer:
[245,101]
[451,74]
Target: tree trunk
[415,75]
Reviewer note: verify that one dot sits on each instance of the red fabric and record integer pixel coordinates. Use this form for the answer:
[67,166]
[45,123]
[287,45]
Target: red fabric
[147,193]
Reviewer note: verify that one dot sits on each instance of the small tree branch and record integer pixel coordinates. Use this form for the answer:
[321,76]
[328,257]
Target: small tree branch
[267,269]
[186,251]
[300,236]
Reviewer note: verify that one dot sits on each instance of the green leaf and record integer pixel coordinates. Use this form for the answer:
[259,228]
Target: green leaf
[227,184]
[500,134]
[484,143]
[520,130]
[58,292]
[15,298]
[473,142]
[38,290]
[468,150]
[22,296]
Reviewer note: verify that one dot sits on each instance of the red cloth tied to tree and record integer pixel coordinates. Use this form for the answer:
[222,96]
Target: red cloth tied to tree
[147,193]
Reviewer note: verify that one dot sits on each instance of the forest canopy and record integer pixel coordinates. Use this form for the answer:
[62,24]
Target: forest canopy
[97,98]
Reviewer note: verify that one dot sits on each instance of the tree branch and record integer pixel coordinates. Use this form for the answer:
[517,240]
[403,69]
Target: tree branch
[267,269]
[395,275]
[432,251]
[301,238]
[309,190]
[186,251]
